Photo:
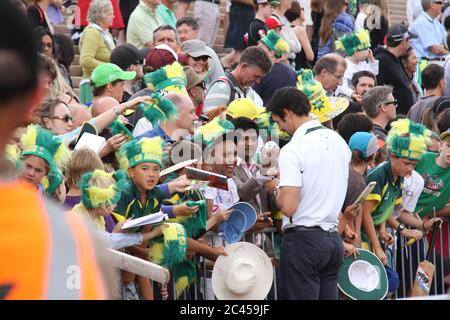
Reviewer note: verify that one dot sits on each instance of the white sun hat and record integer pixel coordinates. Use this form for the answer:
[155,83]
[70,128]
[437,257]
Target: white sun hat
[245,274]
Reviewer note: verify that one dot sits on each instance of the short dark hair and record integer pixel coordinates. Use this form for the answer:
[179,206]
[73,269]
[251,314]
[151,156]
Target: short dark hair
[256,56]
[18,56]
[289,98]
[360,74]
[443,121]
[245,124]
[374,98]
[98,91]
[432,75]
[163,28]
[353,122]
[191,22]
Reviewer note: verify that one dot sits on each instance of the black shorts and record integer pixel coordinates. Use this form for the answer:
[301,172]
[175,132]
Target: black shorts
[241,17]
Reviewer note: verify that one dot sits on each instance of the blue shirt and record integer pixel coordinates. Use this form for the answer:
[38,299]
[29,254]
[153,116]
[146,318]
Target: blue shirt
[431,32]
[157,132]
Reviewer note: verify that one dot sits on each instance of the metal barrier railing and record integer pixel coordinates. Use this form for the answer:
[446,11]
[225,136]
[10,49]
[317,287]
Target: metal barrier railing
[405,260]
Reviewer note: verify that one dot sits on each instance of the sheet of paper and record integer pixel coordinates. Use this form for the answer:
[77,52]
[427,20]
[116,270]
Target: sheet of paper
[91,141]
[148,219]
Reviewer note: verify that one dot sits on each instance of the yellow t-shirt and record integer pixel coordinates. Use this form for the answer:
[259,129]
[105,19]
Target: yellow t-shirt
[98,221]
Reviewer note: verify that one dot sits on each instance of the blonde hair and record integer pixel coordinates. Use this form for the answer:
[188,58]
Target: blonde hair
[47,110]
[102,182]
[82,161]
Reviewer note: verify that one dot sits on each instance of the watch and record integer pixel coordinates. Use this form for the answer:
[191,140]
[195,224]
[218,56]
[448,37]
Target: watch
[401,227]
[116,111]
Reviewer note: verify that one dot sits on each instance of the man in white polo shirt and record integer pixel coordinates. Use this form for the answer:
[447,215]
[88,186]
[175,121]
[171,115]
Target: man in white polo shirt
[313,181]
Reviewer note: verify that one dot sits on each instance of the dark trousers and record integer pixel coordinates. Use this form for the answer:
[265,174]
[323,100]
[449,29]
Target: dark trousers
[309,265]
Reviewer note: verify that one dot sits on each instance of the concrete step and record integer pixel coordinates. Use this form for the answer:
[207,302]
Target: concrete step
[75,71]
[76,81]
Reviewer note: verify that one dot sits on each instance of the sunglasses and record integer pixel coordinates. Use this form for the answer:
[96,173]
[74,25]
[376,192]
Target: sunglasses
[66,118]
[202,85]
[394,102]
[203,58]
[438,2]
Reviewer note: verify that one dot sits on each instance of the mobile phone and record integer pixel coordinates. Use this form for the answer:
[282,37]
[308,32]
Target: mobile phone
[369,188]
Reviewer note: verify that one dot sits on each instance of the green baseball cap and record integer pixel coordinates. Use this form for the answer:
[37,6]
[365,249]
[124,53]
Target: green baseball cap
[109,72]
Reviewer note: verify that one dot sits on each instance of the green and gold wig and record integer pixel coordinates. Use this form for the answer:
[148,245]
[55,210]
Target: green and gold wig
[94,196]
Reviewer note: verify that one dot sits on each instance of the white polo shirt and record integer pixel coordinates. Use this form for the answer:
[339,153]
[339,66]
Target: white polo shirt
[318,163]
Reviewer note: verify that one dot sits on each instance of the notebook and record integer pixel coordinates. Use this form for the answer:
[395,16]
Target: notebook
[148,219]
[91,141]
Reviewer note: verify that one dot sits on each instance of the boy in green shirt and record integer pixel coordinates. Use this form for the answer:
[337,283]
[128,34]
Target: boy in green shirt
[435,197]
[406,144]
[434,169]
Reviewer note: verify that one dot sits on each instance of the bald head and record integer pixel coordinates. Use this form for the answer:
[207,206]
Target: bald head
[79,114]
[102,105]
[186,111]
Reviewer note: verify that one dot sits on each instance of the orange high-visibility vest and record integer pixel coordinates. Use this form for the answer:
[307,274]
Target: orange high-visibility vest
[45,253]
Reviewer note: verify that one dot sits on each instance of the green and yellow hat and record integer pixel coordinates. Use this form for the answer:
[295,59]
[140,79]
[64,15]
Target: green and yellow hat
[242,107]
[43,144]
[158,109]
[94,197]
[264,122]
[118,127]
[109,72]
[140,151]
[215,131]
[325,108]
[52,181]
[275,43]
[408,140]
[354,42]
[168,78]
[12,154]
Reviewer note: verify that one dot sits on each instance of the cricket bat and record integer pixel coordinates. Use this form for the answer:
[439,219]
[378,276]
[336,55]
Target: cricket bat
[425,270]
[138,266]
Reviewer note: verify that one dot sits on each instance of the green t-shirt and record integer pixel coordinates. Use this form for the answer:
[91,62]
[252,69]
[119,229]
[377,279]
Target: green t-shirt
[130,203]
[436,190]
[166,15]
[386,193]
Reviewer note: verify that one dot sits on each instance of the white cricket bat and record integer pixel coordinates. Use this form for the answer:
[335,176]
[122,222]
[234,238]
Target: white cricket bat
[138,266]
